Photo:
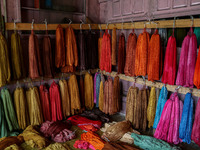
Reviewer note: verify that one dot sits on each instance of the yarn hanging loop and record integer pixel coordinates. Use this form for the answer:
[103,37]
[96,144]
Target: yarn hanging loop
[32,27]
[192,21]
[174,24]
[122,25]
[133,24]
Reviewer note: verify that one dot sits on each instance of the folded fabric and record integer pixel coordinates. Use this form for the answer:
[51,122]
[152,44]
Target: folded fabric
[118,146]
[150,143]
[84,123]
[93,139]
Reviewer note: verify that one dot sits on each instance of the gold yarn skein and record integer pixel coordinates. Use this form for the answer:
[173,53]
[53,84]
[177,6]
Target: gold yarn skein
[21,108]
[89,94]
[101,96]
[151,109]
[34,106]
[74,94]
[65,98]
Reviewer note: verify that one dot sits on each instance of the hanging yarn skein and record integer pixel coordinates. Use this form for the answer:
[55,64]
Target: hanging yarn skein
[196,125]
[114,44]
[141,56]
[131,105]
[160,105]
[82,91]
[197,72]
[169,72]
[21,108]
[129,69]
[185,129]
[187,61]
[100,47]
[97,88]
[154,55]
[17,57]
[101,93]
[82,51]
[151,109]
[3,125]
[106,63]
[60,48]
[55,100]
[34,106]
[121,54]
[45,102]
[71,58]
[89,94]
[35,62]
[64,92]
[74,94]
[116,103]
[5,74]
[47,56]
[9,110]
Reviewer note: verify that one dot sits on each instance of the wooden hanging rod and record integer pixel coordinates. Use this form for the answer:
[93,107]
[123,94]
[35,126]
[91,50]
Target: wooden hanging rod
[179,23]
[183,90]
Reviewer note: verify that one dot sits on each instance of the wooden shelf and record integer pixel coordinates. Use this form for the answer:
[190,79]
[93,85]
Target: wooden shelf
[181,23]
[52,10]
[183,90]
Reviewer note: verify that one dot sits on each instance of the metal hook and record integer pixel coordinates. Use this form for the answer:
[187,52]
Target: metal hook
[122,24]
[46,25]
[81,25]
[100,27]
[174,22]
[191,90]
[192,21]
[89,26]
[107,25]
[155,23]
[176,89]
[14,25]
[32,24]
[70,21]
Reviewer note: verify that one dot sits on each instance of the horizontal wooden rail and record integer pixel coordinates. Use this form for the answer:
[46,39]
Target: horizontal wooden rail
[183,90]
[179,23]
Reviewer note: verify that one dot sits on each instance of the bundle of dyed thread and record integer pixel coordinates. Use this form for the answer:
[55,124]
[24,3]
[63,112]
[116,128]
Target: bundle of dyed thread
[82,91]
[74,94]
[169,72]
[108,85]
[21,108]
[93,139]
[97,81]
[196,126]
[118,146]
[45,102]
[115,132]
[121,54]
[114,44]
[160,105]
[151,109]
[154,58]
[131,104]
[101,93]
[116,103]
[89,95]
[79,144]
[100,48]
[84,123]
[197,72]
[8,141]
[185,129]
[17,57]
[35,63]
[55,99]
[129,69]
[71,54]
[58,131]
[106,53]
[47,56]
[60,48]
[5,74]
[34,106]
[33,138]
[81,51]
[187,61]
[168,126]
[64,92]
[9,110]
[141,57]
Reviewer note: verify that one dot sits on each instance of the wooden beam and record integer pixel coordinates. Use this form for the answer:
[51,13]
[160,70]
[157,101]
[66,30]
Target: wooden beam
[180,23]
[183,90]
